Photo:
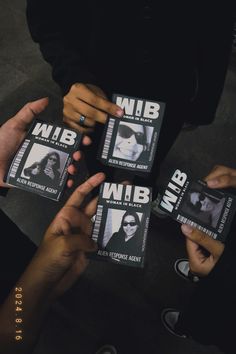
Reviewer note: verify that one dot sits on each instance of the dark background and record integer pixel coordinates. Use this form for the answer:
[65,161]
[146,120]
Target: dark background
[110,303]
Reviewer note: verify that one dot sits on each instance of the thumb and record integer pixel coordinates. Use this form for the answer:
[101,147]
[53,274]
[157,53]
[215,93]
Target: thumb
[192,250]
[215,247]
[30,110]
[222,181]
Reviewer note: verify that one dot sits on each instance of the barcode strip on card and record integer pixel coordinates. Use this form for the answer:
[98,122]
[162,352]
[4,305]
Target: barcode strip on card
[97,223]
[18,158]
[108,138]
[184,220]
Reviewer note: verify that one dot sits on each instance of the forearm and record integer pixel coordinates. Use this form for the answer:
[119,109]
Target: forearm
[23,313]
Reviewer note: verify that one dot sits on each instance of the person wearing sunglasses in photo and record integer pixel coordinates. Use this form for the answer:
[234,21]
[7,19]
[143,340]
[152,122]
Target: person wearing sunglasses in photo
[33,279]
[128,239]
[49,272]
[47,171]
[131,142]
[120,50]
[209,315]
[205,207]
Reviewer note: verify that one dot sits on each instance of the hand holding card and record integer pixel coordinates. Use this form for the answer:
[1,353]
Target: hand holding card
[121,224]
[193,203]
[131,141]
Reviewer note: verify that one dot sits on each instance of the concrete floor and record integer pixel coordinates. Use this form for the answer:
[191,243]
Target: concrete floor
[110,303]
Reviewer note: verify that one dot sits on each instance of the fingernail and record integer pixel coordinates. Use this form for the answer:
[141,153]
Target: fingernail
[212,183]
[119,113]
[101,175]
[186,228]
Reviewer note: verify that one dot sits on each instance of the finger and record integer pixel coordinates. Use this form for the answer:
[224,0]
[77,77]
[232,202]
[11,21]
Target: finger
[67,219]
[217,171]
[213,246]
[70,183]
[77,127]
[72,170]
[196,257]
[78,242]
[223,181]
[193,251]
[81,262]
[77,107]
[214,178]
[88,122]
[77,155]
[126,182]
[90,208]
[85,94]
[28,112]
[86,140]
[84,189]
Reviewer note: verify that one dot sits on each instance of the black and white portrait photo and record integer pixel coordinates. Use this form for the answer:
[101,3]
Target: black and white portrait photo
[203,206]
[123,232]
[132,141]
[44,165]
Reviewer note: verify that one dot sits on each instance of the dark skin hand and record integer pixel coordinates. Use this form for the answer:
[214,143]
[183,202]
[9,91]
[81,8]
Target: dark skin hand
[91,102]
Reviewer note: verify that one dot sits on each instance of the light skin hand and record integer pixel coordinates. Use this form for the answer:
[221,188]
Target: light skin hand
[90,101]
[13,132]
[221,177]
[199,263]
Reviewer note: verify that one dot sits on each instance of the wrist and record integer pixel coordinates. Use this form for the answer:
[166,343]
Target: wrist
[38,278]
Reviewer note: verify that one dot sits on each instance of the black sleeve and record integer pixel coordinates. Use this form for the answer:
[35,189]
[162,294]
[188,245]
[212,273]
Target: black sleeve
[61,41]
[225,268]
[3,191]
[16,251]
[211,311]
[223,273]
